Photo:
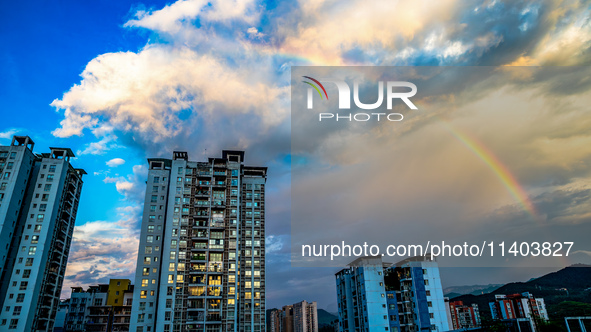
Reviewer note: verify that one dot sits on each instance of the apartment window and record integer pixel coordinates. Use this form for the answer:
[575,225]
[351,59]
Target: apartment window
[13,324]
[24,285]
[171,267]
[428,293]
[47,187]
[146,271]
[45,197]
[151,229]
[155,189]
[40,217]
[20,298]
[147,260]
[156,179]
[35,239]
[169,290]
[173,255]
[173,244]
[426,282]
[32,251]
[52,168]
[9,165]
[37,228]
[140,317]
[150,238]
[6,175]
[26,273]
[98,302]
[42,207]
[167,316]
[154,198]
[3,185]
[148,250]
[49,177]
[171,278]
[143,294]
[144,282]
[1,197]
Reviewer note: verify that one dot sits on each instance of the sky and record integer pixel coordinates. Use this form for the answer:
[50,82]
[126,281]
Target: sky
[119,82]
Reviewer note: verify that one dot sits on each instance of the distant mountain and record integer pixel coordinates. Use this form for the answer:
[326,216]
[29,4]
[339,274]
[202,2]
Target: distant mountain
[325,317]
[455,291]
[569,284]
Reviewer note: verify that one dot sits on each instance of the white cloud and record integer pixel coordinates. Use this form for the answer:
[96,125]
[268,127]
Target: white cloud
[115,162]
[103,250]
[105,144]
[254,33]
[177,19]
[9,133]
[273,243]
[133,186]
[165,92]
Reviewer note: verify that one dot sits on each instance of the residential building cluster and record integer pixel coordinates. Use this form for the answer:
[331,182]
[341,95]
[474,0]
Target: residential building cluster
[201,258]
[519,306]
[298,317]
[105,308]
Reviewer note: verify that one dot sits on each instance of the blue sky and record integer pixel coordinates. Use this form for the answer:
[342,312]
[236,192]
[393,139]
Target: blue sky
[122,81]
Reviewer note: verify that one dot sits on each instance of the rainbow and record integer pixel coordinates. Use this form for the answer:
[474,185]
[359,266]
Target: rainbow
[500,170]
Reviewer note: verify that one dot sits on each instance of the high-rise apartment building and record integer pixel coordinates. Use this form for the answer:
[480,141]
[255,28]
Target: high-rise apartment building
[39,196]
[275,323]
[305,317]
[516,306]
[376,296]
[201,258]
[297,317]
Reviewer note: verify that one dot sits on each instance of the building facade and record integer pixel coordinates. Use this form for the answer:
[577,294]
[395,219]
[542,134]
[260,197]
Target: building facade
[101,308]
[376,296]
[39,195]
[462,316]
[305,317]
[275,322]
[514,306]
[201,258]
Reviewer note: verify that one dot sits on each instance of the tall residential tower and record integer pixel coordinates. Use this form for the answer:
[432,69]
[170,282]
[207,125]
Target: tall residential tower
[39,196]
[402,297]
[201,258]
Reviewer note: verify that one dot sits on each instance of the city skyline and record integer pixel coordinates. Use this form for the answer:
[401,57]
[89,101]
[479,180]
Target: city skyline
[119,83]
